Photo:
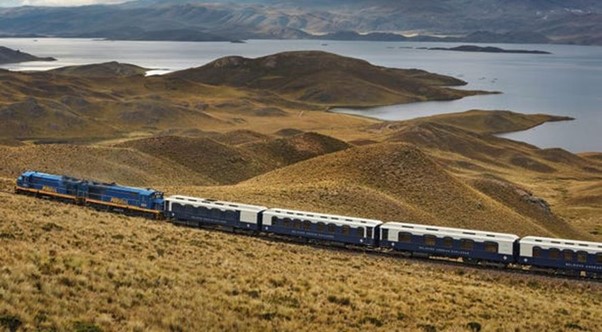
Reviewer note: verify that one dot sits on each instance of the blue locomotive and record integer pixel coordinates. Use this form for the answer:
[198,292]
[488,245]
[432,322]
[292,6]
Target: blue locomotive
[104,196]
[469,246]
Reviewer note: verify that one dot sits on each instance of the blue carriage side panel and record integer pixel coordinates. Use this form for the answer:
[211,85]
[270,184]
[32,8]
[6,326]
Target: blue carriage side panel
[555,258]
[438,246]
[310,229]
[195,212]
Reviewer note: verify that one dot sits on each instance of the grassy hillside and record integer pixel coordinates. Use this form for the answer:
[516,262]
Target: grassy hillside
[231,163]
[326,79]
[104,70]
[491,122]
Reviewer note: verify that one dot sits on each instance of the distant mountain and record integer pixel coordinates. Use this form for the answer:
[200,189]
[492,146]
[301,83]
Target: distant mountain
[527,21]
[8,55]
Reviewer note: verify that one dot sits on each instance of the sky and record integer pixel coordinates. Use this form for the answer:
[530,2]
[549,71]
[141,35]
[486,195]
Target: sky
[14,3]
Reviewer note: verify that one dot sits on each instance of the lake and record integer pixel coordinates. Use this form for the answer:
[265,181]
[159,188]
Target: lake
[567,82]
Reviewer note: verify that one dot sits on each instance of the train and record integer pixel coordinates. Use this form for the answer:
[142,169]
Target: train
[501,250]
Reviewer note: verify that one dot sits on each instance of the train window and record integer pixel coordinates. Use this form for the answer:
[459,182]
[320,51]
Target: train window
[568,255]
[536,252]
[307,225]
[467,244]
[297,224]
[599,258]
[448,242]
[554,253]
[346,230]
[360,231]
[491,247]
[332,228]
[321,227]
[404,237]
[275,221]
[286,222]
[385,235]
[369,232]
[430,240]
[581,257]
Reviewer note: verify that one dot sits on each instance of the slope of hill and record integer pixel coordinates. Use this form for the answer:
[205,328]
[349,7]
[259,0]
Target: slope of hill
[101,70]
[226,163]
[480,121]
[326,79]
[8,55]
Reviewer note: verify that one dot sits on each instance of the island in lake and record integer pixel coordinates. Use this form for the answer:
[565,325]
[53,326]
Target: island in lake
[485,49]
[8,55]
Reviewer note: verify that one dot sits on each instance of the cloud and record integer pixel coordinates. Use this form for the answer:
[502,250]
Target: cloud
[63,2]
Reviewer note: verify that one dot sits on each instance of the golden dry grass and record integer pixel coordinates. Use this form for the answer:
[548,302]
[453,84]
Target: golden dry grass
[66,266]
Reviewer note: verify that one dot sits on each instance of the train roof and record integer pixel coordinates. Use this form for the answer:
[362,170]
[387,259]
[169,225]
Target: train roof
[323,217]
[113,186]
[198,201]
[48,176]
[450,231]
[562,243]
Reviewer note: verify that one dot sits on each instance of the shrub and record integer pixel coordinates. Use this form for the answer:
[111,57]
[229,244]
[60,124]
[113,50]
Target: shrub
[86,327]
[372,320]
[474,326]
[12,323]
[339,300]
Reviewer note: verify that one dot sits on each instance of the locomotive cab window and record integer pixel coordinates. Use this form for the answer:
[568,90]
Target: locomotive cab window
[430,240]
[491,247]
[404,237]
[467,244]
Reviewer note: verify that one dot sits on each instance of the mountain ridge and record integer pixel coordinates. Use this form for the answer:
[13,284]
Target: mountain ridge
[498,21]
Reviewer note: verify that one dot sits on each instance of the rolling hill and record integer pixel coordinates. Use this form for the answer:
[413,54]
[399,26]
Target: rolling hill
[104,101]
[325,79]
[8,55]
[393,182]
